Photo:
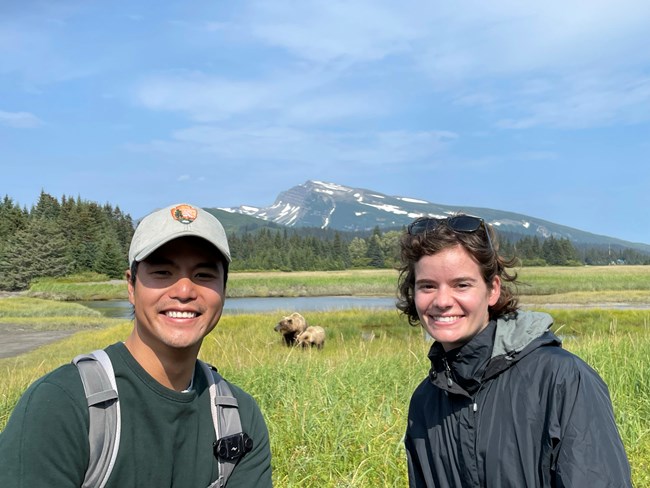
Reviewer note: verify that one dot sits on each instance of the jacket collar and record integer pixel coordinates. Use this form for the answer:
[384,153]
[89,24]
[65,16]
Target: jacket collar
[461,370]
[497,347]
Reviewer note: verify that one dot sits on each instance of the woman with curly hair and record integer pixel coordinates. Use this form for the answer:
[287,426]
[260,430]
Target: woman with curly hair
[503,405]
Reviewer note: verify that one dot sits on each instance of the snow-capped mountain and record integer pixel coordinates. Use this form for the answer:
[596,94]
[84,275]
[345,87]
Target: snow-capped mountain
[328,205]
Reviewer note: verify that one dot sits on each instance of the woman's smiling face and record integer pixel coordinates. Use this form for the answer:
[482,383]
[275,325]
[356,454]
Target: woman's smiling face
[451,297]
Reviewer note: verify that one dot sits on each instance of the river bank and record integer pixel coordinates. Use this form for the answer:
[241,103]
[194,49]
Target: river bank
[17,340]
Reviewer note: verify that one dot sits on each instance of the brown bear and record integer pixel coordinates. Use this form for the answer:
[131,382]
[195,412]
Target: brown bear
[290,326]
[313,335]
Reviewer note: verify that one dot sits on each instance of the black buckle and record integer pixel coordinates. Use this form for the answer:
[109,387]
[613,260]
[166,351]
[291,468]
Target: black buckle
[233,447]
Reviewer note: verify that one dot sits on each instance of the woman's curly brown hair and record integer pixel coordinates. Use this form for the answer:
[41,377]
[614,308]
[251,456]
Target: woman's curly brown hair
[483,249]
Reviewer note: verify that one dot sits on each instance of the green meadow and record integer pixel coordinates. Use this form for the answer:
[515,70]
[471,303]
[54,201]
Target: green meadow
[606,284]
[337,416]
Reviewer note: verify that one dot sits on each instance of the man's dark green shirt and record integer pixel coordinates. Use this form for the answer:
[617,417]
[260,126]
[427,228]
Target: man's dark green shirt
[166,436]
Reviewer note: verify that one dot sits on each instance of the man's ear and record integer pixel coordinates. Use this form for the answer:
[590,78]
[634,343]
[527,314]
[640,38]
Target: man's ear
[130,284]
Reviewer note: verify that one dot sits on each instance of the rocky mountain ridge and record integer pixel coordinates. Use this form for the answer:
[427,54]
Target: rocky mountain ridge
[329,205]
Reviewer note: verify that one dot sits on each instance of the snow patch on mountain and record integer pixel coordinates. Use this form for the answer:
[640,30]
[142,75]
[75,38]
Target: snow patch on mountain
[412,200]
[388,208]
[244,209]
[330,186]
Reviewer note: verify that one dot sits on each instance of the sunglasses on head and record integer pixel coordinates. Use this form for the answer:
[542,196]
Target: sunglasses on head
[460,223]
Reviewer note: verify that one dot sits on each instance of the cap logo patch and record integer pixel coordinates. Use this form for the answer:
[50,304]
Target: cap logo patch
[185,214]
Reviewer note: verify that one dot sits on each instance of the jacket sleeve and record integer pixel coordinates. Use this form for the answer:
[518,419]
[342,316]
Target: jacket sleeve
[416,474]
[422,467]
[588,448]
[45,441]
[254,469]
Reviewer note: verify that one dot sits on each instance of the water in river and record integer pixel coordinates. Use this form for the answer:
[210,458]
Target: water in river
[122,308]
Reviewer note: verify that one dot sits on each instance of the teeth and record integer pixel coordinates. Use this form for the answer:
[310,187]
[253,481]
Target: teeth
[446,319]
[180,315]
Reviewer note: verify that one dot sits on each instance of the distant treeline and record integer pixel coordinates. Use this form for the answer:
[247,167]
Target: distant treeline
[73,236]
[61,238]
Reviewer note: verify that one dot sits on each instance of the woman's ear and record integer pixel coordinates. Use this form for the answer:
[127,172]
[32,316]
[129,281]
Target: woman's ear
[495,290]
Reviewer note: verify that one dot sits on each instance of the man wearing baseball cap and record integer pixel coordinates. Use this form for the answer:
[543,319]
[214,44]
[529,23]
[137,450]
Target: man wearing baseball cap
[178,268]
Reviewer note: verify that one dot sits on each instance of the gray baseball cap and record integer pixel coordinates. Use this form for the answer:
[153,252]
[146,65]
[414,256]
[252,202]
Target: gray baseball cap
[180,220]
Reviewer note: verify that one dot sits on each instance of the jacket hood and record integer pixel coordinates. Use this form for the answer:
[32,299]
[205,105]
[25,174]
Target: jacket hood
[516,331]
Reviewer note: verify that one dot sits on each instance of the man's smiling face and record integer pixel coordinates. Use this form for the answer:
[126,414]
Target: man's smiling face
[178,294]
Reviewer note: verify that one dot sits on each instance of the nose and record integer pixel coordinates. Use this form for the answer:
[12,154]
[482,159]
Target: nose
[184,289]
[443,298]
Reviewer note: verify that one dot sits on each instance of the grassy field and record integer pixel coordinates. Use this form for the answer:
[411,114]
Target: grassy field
[337,416]
[560,285]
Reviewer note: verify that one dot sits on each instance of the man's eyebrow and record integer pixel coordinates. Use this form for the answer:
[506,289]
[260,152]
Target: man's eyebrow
[161,260]
[209,264]
[157,260]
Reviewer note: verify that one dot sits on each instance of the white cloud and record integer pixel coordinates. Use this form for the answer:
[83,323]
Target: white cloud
[40,44]
[19,120]
[467,38]
[585,101]
[203,98]
[288,98]
[332,107]
[523,63]
[282,145]
[334,30]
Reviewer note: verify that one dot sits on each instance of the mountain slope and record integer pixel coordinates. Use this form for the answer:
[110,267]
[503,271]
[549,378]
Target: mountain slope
[328,205]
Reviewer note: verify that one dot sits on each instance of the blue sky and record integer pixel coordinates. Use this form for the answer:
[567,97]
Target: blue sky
[540,108]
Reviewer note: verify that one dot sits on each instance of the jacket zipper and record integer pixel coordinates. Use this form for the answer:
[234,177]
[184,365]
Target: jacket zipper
[475,399]
[450,382]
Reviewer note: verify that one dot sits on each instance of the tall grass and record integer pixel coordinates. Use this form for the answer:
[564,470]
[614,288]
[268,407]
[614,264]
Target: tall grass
[560,279]
[63,289]
[41,315]
[337,416]
[566,284]
[623,361]
[350,282]
[586,322]
[34,307]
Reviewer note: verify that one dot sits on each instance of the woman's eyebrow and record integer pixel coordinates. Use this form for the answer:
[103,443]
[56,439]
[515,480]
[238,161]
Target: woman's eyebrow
[453,280]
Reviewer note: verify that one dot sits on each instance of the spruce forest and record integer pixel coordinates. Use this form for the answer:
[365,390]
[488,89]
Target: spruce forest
[74,236]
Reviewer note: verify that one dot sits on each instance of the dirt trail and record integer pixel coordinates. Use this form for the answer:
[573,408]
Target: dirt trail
[15,341]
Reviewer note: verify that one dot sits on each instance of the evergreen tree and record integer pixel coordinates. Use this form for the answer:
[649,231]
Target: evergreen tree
[340,252]
[12,220]
[47,207]
[389,243]
[358,252]
[83,226]
[559,252]
[374,253]
[39,250]
[110,258]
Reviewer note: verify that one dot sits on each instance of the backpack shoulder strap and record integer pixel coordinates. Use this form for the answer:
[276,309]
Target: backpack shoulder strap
[99,384]
[231,442]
